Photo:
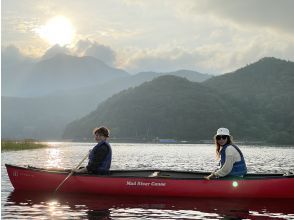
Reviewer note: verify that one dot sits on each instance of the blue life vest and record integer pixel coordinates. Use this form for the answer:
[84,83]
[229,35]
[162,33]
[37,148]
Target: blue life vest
[104,166]
[239,168]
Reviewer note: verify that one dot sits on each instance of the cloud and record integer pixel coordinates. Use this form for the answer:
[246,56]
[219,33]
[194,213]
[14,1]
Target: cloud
[203,35]
[99,51]
[81,46]
[160,60]
[273,14]
[84,48]
[212,57]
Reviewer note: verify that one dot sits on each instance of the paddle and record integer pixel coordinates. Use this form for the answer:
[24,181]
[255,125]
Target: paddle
[71,173]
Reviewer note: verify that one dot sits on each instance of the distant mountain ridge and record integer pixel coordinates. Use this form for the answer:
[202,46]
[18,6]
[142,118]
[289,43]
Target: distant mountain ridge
[36,118]
[255,102]
[188,74]
[63,104]
[259,97]
[265,91]
[265,72]
[154,109]
[63,72]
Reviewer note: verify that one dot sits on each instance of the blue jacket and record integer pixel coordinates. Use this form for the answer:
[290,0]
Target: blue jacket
[239,168]
[100,158]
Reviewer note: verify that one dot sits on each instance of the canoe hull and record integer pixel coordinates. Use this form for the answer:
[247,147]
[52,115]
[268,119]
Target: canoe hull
[36,180]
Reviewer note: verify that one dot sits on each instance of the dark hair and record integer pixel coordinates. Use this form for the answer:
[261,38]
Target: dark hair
[103,131]
[229,141]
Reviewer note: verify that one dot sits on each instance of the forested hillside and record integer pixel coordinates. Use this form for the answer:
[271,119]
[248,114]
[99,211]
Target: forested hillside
[254,102]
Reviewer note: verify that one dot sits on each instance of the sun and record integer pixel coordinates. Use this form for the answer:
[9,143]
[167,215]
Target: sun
[58,30]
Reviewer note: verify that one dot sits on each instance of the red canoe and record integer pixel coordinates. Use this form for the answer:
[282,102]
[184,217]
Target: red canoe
[153,183]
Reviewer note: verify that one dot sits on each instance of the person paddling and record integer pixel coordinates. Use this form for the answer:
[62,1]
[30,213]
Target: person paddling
[100,156]
[232,162]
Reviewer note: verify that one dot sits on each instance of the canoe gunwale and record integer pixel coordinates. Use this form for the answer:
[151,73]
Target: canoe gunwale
[197,175]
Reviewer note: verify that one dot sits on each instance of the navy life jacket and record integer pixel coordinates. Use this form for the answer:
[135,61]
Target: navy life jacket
[104,166]
[239,168]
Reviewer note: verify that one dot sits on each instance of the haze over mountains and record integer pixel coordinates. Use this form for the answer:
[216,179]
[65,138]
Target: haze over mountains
[38,101]
[61,72]
[255,102]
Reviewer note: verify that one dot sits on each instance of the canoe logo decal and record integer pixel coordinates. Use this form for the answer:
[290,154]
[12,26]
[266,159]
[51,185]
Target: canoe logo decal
[147,184]
[15,173]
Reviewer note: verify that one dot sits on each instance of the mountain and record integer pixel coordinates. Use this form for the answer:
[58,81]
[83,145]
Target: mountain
[188,74]
[100,92]
[37,117]
[265,92]
[255,102]
[259,96]
[268,76]
[63,106]
[167,107]
[12,64]
[63,72]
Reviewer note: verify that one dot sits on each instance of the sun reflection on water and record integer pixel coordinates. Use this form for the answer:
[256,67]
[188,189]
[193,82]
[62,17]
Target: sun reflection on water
[52,205]
[54,209]
[54,158]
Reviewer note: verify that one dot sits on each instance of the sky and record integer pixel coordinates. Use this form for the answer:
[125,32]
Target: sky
[208,36]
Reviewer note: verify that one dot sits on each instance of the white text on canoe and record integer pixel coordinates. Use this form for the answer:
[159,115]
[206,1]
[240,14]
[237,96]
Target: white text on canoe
[140,183]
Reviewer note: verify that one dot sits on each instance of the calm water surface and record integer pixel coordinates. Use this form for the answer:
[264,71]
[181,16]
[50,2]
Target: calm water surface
[260,159]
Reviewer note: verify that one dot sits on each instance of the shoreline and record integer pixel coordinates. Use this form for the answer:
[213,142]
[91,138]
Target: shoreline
[16,145]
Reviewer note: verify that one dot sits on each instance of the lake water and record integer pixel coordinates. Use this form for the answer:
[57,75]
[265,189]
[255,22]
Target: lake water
[196,157]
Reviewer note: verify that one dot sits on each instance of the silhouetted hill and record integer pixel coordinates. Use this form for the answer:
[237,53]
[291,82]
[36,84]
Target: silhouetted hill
[255,102]
[188,74]
[167,107]
[65,105]
[265,92]
[265,77]
[111,87]
[63,72]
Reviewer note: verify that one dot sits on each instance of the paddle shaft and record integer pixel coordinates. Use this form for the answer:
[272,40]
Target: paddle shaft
[71,173]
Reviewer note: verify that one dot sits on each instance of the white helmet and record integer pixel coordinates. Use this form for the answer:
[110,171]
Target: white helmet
[223,131]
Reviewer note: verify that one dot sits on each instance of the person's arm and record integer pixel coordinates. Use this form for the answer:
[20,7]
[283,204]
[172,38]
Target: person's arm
[99,155]
[231,155]
[227,167]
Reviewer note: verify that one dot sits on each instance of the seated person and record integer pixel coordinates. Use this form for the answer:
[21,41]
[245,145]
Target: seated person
[232,162]
[100,156]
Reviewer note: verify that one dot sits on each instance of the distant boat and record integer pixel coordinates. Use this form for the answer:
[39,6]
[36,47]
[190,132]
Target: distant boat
[152,183]
[167,141]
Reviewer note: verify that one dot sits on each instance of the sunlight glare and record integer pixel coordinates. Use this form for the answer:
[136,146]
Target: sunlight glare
[58,30]
[54,158]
